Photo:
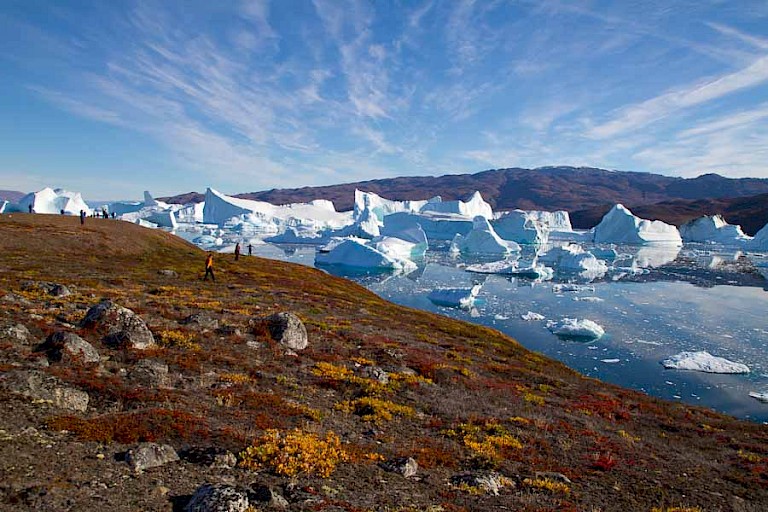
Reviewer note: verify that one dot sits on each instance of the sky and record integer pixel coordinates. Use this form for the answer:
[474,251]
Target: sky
[111,98]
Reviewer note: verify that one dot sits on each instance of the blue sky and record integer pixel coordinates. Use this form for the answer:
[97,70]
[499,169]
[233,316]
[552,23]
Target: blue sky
[114,97]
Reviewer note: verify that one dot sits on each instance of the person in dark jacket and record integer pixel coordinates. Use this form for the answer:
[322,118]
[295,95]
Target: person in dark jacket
[237,251]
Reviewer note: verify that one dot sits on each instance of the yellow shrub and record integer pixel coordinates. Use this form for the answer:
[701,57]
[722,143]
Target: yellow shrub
[375,409]
[488,440]
[336,373]
[629,437]
[749,456]
[179,339]
[676,509]
[294,453]
[532,398]
[235,378]
[547,485]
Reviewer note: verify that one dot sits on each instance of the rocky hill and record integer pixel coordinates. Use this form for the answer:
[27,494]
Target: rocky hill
[128,383]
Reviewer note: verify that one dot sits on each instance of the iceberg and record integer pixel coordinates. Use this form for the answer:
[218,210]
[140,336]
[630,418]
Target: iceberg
[454,297]
[471,208]
[760,241]
[482,239]
[380,207]
[760,397]
[522,227]
[620,226]
[293,235]
[166,219]
[435,226]
[703,362]
[713,228]
[220,209]
[573,258]
[53,201]
[532,317]
[572,328]
[359,253]
[553,221]
[508,267]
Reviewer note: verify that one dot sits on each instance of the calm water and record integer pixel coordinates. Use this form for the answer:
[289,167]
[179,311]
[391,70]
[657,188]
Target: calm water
[694,299]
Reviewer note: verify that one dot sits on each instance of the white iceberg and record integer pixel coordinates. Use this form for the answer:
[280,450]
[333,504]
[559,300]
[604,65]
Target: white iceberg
[454,297]
[381,207]
[760,397]
[358,253]
[573,258]
[522,227]
[703,362]
[509,267]
[482,239]
[293,235]
[532,317]
[53,201]
[760,241]
[714,229]
[620,226]
[166,219]
[573,328]
[471,208]
[435,226]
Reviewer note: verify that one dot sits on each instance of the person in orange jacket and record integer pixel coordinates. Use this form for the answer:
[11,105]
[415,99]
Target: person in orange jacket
[209,267]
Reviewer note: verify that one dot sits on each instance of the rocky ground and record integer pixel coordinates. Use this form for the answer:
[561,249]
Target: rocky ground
[128,383]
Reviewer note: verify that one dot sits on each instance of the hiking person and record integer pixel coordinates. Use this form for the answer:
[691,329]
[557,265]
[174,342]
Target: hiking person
[30,208]
[82,217]
[250,250]
[209,267]
[237,251]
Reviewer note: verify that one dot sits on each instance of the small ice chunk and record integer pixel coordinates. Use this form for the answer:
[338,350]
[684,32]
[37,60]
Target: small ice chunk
[703,361]
[588,299]
[610,361]
[761,397]
[576,329]
[500,317]
[532,317]
[454,297]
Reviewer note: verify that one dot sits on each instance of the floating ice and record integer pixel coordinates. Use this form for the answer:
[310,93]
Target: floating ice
[760,241]
[610,361]
[572,258]
[573,328]
[619,225]
[482,240]
[359,253]
[454,297]
[703,361]
[532,317]
[381,207]
[761,397]
[471,208]
[53,201]
[522,227]
[513,268]
[713,228]
[570,287]
[588,299]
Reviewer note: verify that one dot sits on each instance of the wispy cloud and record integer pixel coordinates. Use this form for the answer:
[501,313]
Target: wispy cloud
[654,109]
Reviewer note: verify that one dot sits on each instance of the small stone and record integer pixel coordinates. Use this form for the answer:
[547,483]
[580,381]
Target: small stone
[100,456]
[406,466]
[267,496]
[17,333]
[218,498]
[557,477]
[168,273]
[489,482]
[150,455]
[375,373]
[66,346]
[123,327]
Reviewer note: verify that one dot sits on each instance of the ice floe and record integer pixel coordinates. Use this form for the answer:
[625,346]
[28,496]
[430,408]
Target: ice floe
[713,229]
[703,361]
[532,317]
[760,397]
[454,297]
[577,329]
[513,267]
[573,258]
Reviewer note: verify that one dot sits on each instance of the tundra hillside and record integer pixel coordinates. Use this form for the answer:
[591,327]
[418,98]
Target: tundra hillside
[128,383]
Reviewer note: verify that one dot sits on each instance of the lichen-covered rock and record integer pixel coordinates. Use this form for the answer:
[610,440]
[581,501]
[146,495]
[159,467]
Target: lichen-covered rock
[150,373]
[123,327]
[405,466]
[267,497]
[218,498]
[66,346]
[150,455]
[40,386]
[166,272]
[489,482]
[212,457]
[287,329]
[375,373]
[201,320]
[53,289]
[17,334]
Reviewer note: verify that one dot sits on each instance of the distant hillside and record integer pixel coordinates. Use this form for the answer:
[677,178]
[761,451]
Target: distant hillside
[11,195]
[546,188]
[750,212]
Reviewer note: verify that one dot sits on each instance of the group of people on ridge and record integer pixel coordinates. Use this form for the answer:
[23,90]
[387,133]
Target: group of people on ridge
[209,261]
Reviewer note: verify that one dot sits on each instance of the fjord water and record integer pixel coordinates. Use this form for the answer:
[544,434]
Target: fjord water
[692,299]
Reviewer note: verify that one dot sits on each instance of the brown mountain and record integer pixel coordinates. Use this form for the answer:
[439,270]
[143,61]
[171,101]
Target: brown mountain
[750,212]
[547,188]
[11,195]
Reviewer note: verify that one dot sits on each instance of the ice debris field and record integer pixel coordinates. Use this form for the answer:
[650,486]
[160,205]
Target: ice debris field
[628,301]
